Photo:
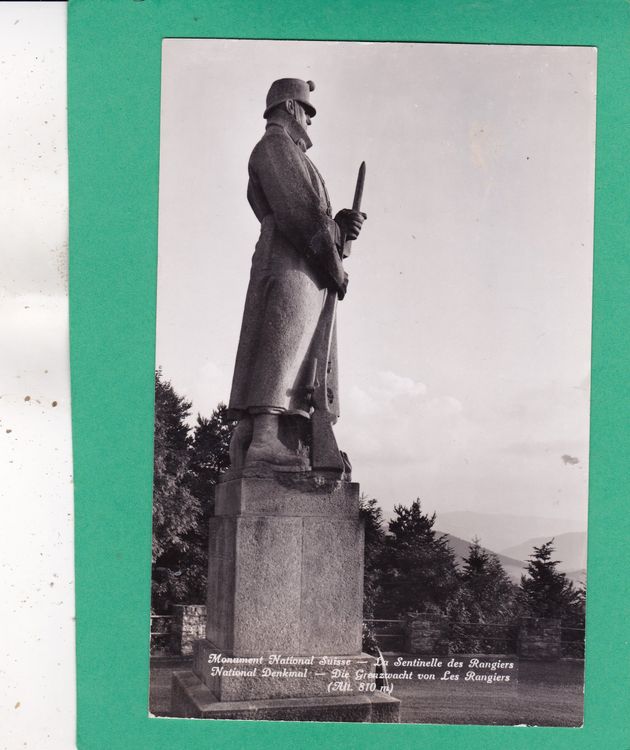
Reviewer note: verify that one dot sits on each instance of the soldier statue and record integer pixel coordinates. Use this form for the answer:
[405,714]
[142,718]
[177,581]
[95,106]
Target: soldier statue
[297,267]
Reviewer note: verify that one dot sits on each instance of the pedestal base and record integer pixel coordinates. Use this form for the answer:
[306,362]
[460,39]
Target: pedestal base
[191,699]
[284,607]
[264,678]
[285,572]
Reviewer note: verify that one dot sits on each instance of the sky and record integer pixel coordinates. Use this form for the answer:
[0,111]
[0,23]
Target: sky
[464,340]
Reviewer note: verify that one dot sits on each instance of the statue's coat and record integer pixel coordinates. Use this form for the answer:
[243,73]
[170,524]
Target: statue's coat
[287,286]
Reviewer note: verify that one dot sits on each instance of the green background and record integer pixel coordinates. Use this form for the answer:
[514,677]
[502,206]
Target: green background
[114,106]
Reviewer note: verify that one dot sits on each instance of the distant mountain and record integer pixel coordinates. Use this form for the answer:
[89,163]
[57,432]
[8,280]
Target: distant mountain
[577,576]
[503,531]
[569,548]
[511,564]
[512,567]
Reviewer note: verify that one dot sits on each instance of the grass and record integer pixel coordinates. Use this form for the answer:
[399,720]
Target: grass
[546,694]
[160,682]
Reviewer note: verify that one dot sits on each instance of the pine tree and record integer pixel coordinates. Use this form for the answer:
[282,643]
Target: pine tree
[486,598]
[545,591]
[487,591]
[419,566]
[372,517]
[176,511]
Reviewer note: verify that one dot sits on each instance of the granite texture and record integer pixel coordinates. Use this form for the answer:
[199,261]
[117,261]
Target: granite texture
[426,633]
[332,586]
[242,681]
[189,624]
[289,494]
[254,584]
[192,699]
[221,581]
[289,277]
[539,639]
[286,582]
[285,578]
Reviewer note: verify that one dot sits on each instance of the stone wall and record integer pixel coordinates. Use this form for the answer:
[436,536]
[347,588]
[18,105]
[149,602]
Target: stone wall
[188,626]
[426,633]
[539,639]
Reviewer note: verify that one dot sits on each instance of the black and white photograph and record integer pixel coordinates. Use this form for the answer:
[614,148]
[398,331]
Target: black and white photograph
[372,382]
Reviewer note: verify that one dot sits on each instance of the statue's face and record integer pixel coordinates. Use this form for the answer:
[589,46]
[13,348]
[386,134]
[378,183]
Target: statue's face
[300,114]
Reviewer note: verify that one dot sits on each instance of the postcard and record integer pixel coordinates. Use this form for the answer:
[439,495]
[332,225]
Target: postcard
[372,382]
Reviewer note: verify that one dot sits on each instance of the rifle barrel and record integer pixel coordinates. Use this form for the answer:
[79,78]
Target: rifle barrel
[356,204]
[358,191]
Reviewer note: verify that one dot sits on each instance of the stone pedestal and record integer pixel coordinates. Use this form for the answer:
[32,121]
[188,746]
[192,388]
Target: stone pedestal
[539,639]
[426,633]
[189,624]
[284,607]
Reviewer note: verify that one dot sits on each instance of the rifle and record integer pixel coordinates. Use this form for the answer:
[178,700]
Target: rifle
[325,453]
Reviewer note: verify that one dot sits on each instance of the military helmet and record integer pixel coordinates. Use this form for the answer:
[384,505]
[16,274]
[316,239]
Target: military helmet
[290,88]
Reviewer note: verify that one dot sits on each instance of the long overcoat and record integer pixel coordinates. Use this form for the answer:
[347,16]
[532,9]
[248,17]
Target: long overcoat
[288,286]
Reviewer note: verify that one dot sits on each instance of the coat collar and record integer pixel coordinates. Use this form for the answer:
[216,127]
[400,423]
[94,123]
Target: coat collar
[292,128]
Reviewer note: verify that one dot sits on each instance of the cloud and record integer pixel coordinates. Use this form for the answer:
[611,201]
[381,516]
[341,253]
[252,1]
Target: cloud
[405,440]
[391,419]
[399,385]
[386,391]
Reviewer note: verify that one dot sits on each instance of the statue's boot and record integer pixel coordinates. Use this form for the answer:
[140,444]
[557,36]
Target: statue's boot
[266,447]
[276,455]
[241,438]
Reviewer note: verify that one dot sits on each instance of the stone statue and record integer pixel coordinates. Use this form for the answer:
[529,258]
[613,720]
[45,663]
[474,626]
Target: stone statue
[297,275]
[286,540]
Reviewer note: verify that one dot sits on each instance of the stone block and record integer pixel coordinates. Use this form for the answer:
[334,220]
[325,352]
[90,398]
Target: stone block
[332,586]
[287,494]
[189,625]
[281,583]
[539,639]
[285,588]
[264,678]
[192,699]
[426,633]
[254,582]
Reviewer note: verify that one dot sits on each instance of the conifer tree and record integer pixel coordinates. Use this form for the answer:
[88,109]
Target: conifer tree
[485,604]
[545,591]
[372,517]
[176,511]
[487,592]
[418,564]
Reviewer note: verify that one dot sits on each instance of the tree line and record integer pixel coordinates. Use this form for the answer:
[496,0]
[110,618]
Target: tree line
[409,565]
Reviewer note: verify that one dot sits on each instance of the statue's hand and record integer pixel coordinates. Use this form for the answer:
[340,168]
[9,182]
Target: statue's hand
[343,287]
[350,222]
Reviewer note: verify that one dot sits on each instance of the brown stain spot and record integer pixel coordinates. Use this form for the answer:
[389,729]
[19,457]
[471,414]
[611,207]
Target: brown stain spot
[17,705]
[54,403]
[569,460]
[27,398]
[8,431]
